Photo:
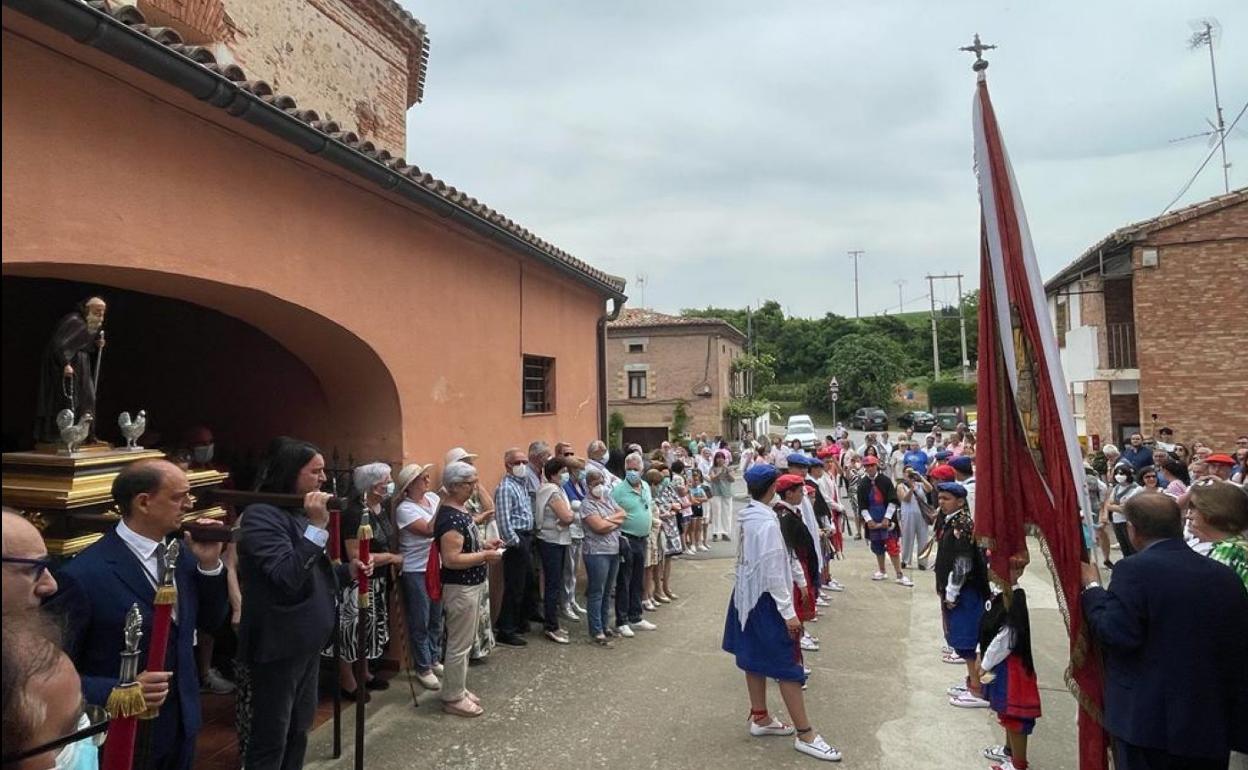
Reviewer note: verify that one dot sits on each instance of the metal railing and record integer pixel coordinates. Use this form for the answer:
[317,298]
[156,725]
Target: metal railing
[1120,346]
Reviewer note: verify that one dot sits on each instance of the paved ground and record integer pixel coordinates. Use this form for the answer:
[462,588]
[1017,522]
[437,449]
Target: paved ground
[671,698]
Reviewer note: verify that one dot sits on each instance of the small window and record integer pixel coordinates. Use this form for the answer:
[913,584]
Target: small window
[539,384]
[1062,322]
[636,347]
[636,384]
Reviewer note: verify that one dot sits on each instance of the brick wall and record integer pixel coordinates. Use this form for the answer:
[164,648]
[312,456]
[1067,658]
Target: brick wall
[1189,327]
[678,363]
[1096,411]
[329,58]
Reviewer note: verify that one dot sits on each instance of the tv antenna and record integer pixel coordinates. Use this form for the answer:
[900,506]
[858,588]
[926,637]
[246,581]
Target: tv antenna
[642,280]
[1206,33]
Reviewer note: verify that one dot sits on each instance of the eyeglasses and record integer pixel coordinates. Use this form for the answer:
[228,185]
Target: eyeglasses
[38,566]
[96,730]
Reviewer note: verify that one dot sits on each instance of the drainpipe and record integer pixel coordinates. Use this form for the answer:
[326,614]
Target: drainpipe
[616,306]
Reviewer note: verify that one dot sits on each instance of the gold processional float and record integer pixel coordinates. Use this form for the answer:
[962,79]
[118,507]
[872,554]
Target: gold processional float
[64,485]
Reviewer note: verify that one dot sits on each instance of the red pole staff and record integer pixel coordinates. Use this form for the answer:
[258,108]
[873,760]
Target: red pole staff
[335,555]
[125,702]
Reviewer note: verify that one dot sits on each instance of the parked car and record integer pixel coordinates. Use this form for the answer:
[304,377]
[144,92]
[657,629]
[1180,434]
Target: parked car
[947,420]
[920,421]
[869,418]
[804,432]
[800,419]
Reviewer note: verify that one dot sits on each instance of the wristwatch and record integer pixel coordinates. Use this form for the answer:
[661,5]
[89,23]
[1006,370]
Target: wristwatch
[1093,584]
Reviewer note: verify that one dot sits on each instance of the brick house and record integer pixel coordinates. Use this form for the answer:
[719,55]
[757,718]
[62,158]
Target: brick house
[1149,322]
[655,361]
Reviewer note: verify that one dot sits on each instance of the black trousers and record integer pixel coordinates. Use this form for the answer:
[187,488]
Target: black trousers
[518,577]
[283,704]
[1124,542]
[630,580]
[1129,757]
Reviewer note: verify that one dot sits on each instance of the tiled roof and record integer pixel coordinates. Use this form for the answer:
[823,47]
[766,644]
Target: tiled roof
[1135,231]
[133,18]
[642,318]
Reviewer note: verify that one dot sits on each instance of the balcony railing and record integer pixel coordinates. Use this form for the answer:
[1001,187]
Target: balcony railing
[1120,344]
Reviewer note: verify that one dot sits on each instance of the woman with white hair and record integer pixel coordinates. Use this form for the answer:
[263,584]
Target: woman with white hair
[372,486]
[463,562]
[481,507]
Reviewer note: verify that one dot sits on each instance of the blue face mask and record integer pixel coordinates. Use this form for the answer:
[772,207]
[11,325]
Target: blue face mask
[81,755]
[632,477]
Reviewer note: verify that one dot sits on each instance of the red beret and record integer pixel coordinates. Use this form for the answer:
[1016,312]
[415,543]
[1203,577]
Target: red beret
[870,460]
[788,481]
[943,473]
[1220,459]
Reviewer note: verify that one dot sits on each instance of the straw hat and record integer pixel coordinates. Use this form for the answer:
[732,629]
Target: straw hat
[459,454]
[406,476]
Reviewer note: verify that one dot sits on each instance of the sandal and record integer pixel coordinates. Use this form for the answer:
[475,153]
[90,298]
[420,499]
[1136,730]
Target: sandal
[464,707]
[472,696]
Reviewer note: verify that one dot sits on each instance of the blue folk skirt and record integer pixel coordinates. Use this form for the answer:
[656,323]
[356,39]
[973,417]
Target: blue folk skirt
[764,647]
[962,622]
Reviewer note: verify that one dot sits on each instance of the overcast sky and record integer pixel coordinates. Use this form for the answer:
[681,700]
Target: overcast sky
[733,152]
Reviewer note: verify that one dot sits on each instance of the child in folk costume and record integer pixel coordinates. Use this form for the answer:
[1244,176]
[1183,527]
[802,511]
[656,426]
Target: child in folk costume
[962,583]
[790,491]
[877,503]
[823,500]
[762,628]
[1008,674]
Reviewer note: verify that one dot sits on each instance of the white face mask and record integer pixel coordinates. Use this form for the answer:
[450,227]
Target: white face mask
[519,471]
[599,490]
[1121,478]
[606,457]
[388,490]
[202,455]
[563,478]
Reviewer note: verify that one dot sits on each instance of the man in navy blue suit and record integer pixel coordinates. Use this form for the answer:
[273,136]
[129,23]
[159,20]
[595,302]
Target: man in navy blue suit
[1172,626]
[124,567]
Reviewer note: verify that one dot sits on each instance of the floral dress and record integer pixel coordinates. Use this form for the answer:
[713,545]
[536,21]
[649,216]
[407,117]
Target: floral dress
[1233,552]
[377,632]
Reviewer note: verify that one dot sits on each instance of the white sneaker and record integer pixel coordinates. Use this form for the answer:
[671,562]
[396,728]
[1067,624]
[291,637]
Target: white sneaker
[775,728]
[625,632]
[967,700]
[578,608]
[879,576]
[645,625]
[810,644]
[905,581]
[807,670]
[705,547]
[570,614]
[428,681]
[996,754]
[438,669]
[954,691]
[216,684]
[691,551]
[818,748]
[822,602]
[834,586]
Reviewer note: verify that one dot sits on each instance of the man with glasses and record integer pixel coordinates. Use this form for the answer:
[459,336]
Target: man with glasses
[46,722]
[125,567]
[27,579]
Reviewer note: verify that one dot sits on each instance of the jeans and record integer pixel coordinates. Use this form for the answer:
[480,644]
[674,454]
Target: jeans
[517,577]
[569,572]
[283,704]
[630,580]
[553,555]
[424,622]
[600,570]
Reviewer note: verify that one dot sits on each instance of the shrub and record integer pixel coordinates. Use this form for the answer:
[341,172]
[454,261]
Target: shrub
[950,393]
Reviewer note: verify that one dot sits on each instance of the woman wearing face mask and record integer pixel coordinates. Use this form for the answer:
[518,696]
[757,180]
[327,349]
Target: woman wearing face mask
[576,491]
[601,518]
[373,487]
[1124,489]
[699,495]
[668,505]
[555,517]
[654,551]
[480,507]
[721,479]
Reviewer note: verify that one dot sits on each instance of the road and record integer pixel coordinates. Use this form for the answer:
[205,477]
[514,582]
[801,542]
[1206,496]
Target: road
[672,698]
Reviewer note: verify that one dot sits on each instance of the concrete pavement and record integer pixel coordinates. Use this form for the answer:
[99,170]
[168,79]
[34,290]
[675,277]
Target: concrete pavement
[672,698]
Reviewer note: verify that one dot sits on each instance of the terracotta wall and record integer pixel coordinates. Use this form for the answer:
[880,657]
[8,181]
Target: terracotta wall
[1189,327]
[414,328]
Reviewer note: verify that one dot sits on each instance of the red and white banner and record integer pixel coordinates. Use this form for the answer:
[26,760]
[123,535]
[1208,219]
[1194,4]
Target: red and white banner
[1029,475]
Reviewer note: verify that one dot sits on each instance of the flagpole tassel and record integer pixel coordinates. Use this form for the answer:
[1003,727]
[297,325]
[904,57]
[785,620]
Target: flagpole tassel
[126,701]
[166,595]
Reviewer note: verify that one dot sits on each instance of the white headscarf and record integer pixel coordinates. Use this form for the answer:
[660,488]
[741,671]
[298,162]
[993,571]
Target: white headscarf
[763,564]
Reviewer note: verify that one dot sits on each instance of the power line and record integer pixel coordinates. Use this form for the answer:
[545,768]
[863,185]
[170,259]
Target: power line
[1212,151]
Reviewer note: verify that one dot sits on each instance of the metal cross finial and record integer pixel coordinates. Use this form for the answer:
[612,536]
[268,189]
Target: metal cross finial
[978,49]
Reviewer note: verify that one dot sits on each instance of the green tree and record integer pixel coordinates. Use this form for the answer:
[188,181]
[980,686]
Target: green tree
[868,367]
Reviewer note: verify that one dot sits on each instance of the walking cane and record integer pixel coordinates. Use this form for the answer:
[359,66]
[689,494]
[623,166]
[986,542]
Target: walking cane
[361,652]
[125,702]
[162,619]
[99,359]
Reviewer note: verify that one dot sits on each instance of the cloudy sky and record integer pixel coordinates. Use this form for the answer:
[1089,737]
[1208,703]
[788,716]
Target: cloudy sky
[733,152]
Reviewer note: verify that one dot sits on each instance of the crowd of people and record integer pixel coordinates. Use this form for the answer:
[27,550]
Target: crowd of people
[469,568]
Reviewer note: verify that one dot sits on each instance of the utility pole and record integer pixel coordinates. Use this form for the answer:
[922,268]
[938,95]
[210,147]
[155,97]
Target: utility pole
[931,293]
[931,289]
[901,303]
[855,254]
[966,361]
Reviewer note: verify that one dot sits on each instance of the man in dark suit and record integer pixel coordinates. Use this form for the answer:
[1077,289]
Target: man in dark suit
[124,567]
[1173,626]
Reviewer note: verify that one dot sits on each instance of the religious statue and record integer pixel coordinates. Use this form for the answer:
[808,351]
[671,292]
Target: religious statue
[68,375]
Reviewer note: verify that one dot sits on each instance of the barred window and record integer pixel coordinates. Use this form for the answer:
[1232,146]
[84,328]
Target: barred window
[539,385]
[636,384]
